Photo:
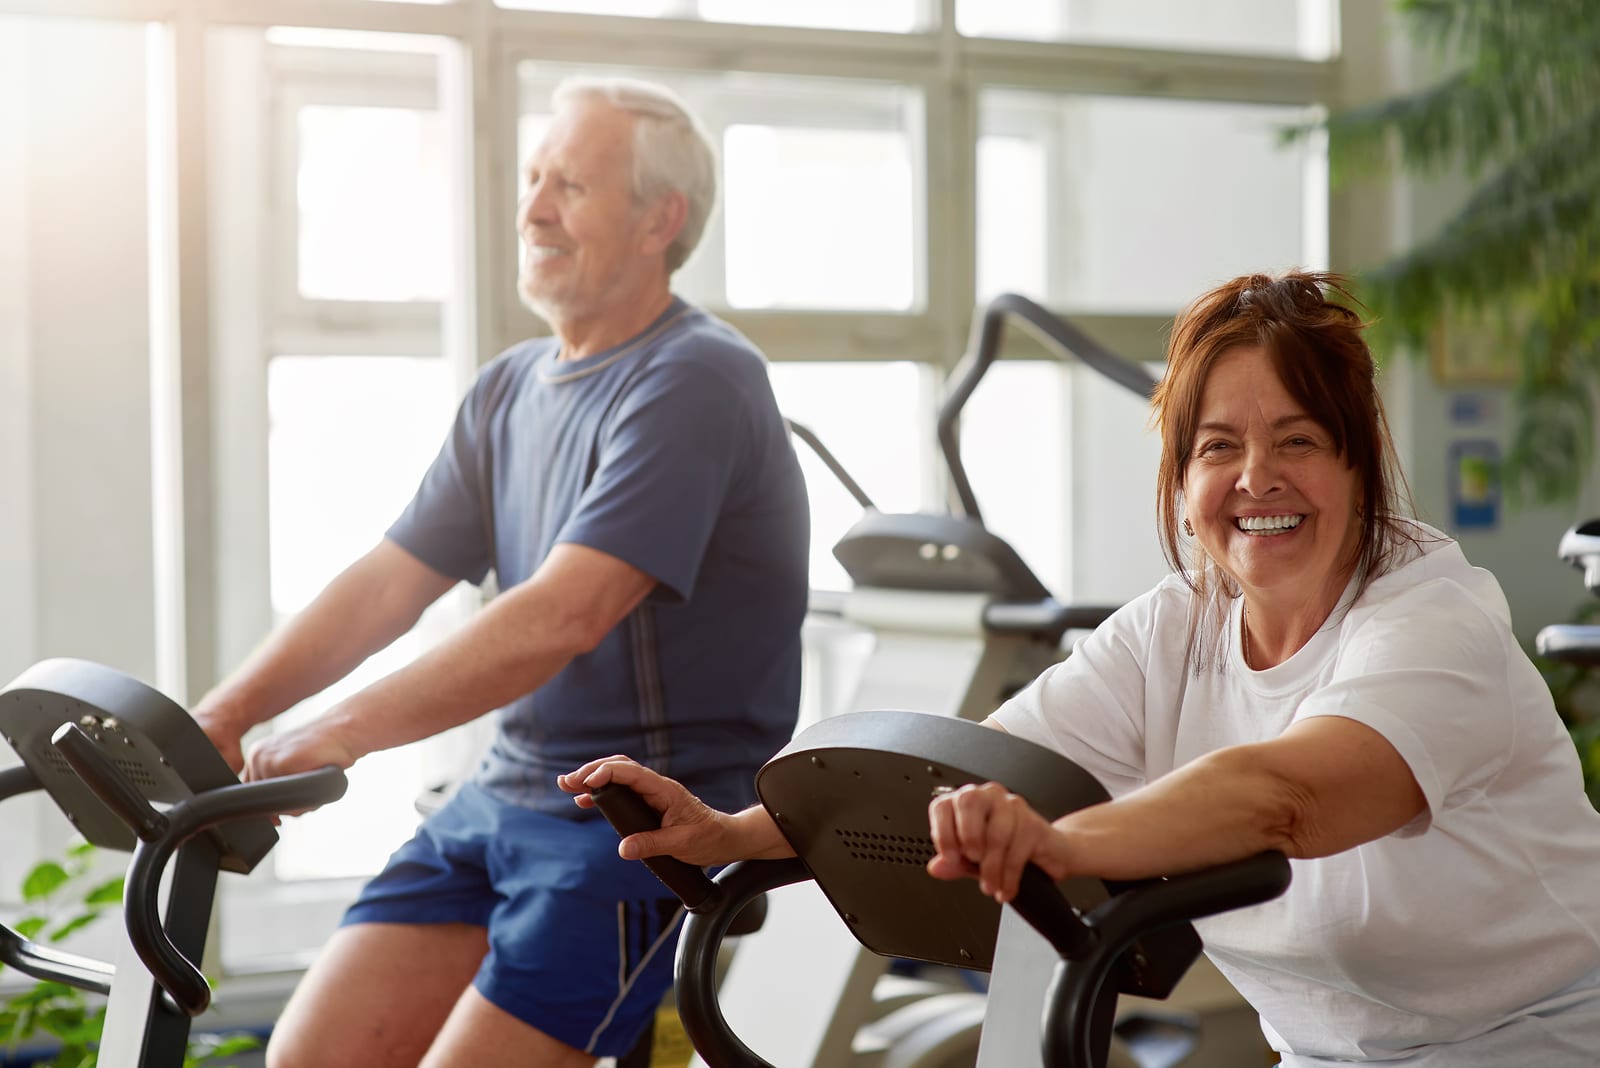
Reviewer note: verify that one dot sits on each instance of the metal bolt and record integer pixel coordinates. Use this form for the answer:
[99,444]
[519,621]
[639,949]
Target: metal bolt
[87,721]
[928,550]
[936,772]
[816,762]
[965,955]
[848,918]
[950,552]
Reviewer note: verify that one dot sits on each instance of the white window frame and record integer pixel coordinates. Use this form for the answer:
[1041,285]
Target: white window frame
[300,77]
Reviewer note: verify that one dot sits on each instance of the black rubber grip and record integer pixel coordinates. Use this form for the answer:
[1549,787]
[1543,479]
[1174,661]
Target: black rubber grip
[629,814]
[1042,905]
[108,783]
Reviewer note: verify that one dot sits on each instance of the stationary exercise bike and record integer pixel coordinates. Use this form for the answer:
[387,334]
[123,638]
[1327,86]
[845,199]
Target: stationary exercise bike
[850,794]
[133,772]
[957,622]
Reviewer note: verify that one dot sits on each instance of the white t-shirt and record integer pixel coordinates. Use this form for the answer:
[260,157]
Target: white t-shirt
[1436,944]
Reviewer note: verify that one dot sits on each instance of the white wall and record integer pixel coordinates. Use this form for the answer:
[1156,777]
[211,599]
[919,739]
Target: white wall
[75,519]
[16,453]
[87,359]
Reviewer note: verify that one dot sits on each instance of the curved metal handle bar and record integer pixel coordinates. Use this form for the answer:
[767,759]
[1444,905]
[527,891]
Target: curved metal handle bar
[42,962]
[1570,643]
[703,933]
[1075,990]
[832,463]
[26,955]
[17,781]
[175,973]
[1058,335]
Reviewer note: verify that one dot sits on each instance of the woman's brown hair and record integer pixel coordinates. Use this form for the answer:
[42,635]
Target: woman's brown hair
[1306,323]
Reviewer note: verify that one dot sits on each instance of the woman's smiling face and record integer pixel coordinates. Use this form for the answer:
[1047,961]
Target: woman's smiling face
[1271,500]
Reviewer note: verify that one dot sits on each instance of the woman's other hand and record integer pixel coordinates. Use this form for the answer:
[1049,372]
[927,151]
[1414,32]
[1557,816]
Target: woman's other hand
[690,830]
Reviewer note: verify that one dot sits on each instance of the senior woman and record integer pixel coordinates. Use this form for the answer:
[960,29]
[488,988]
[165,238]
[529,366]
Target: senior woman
[1320,675]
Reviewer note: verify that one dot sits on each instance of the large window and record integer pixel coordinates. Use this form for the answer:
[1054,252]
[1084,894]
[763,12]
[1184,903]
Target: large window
[1114,204]
[347,259]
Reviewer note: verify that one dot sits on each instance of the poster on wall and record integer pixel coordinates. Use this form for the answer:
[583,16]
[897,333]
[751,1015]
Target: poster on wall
[1474,471]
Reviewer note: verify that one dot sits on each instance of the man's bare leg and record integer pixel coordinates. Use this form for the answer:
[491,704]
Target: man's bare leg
[377,996]
[484,1035]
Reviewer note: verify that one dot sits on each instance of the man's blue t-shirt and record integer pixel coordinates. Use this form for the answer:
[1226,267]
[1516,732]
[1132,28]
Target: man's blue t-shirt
[667,452]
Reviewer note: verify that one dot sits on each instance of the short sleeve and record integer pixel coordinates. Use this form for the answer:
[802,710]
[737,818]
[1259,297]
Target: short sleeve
[1090,707]
[1430,673]
[446,525]
[666,466]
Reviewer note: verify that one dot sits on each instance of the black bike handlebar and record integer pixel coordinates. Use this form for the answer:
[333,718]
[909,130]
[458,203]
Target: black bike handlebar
[1093,944]
[161,834]
[26,955]
[1068,1028]
[629,813]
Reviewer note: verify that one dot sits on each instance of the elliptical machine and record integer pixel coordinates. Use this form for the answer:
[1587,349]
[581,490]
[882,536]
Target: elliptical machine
[958,622]
[851,796]
[108,750]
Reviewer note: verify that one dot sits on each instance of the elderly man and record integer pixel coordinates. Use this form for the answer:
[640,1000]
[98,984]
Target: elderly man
[631,484]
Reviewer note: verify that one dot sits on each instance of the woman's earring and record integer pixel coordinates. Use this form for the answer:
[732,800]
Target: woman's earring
[1187,528]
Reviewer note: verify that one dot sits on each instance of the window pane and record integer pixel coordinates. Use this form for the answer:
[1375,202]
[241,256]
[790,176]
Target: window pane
[877,420]
[1152,201]
[820,187]
[350,438]
[640,8]
[890,16]
[1304,28]
[1014,436]
[1012,214]
[1063,465]
[372,209]
[819,218]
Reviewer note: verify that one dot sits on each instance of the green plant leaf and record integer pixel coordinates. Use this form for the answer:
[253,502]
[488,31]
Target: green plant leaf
[77,923]
[30,926]
[204,1048]
[107,893]
[1513,108]
[43,880]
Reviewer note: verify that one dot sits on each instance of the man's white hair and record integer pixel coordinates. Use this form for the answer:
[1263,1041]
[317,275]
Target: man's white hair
[671,152]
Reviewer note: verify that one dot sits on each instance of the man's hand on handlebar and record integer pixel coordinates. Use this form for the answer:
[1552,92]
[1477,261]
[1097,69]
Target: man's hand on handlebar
[224,731]
[690,830]
[306,748]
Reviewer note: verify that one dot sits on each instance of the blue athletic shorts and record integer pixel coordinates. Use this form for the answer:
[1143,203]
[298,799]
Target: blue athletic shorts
[581,942]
